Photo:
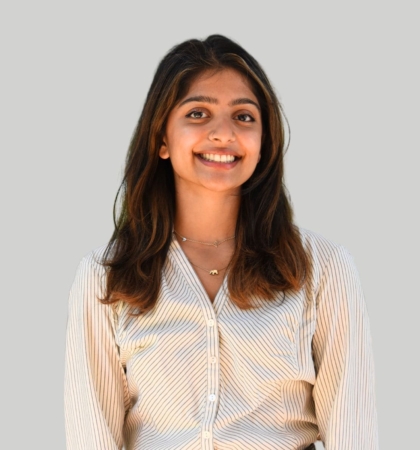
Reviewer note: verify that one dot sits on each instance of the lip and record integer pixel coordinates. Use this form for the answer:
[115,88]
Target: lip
[218,165]
[219,151]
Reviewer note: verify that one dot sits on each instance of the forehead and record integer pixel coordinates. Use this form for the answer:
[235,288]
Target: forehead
[224,82]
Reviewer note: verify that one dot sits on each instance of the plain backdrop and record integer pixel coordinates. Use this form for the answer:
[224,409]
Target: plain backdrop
[74,76]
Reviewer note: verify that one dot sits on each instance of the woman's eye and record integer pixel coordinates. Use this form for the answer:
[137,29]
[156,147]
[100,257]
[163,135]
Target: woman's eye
[197,115]
[245,118]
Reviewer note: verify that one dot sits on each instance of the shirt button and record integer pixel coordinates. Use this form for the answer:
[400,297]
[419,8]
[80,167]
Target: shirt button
[210,323]
[212,397]
[213,360]
[206,435]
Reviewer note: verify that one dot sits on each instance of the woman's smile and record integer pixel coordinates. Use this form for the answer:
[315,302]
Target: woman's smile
[213,135]
[217,158]
[216,161]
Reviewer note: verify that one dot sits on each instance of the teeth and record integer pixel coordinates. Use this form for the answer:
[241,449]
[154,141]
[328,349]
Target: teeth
[218,158]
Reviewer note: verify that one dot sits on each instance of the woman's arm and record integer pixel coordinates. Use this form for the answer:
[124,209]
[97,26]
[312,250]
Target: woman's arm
[344,391]
[96,393]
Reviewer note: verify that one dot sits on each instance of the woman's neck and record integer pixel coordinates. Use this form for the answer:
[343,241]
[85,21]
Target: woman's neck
[206,218]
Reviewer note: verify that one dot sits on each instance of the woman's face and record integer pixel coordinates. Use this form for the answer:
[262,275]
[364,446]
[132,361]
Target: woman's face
[213,135]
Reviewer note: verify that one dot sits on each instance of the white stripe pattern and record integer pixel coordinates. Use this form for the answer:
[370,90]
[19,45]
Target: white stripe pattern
[192,374]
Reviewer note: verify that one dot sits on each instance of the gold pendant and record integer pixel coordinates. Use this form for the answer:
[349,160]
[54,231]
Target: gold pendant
[214,272]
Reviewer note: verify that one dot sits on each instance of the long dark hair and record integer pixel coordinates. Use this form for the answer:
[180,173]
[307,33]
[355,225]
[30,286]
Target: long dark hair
[269,256]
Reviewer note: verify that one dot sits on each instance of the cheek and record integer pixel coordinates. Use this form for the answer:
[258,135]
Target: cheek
[253,136]
[254,143]
[182,139]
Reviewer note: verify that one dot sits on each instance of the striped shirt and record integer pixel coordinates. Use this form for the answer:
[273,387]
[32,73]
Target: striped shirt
[192,374]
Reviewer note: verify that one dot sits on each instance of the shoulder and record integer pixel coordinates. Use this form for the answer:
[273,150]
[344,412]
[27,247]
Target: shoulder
[86,312]
[89,286]
[326,257]
[319,248]
[96,255]
[93,260]
[316,244]
[90,272]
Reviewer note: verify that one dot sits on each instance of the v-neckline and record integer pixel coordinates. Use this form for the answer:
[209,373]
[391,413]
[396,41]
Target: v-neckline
[217,303]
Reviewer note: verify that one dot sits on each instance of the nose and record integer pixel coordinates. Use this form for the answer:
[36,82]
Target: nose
[222,130]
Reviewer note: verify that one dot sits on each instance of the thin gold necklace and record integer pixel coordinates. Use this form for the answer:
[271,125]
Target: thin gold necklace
[210,272]
[214,244]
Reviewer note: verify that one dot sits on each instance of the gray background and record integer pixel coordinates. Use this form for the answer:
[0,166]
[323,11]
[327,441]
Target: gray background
[73,80]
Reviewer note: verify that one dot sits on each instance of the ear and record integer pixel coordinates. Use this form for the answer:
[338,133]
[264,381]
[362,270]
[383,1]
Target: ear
[163,151]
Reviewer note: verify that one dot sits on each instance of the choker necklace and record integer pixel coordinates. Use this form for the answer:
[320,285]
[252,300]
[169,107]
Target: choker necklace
[210,272]
[214,244]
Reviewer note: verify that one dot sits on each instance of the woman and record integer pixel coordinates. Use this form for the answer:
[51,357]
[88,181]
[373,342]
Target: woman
[211,321]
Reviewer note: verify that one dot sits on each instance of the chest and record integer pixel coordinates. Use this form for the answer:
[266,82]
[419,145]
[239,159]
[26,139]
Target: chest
[196,334]
[210,283]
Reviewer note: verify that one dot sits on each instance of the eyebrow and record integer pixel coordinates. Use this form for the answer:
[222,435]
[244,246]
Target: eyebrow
[214,101]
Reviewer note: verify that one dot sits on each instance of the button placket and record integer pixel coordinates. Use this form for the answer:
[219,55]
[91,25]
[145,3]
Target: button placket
[212,380]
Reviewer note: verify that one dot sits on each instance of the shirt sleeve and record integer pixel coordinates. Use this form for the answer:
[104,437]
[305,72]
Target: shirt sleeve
[344,391]
[95,391]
